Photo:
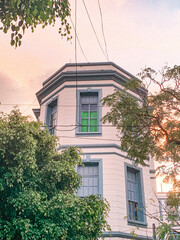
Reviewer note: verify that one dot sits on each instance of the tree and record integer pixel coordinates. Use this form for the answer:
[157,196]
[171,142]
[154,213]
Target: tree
[18,15]
[38,187]
[149,125]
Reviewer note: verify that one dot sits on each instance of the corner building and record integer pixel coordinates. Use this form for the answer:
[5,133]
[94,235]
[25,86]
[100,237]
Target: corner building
[71,108]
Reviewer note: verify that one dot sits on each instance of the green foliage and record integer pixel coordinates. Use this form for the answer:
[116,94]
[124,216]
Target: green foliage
[165,231]
[128,115]
[18,15]
[149,125]
[38,187]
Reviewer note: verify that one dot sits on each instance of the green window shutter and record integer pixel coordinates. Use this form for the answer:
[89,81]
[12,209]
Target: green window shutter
[84,125]
[93,125]
[93,114]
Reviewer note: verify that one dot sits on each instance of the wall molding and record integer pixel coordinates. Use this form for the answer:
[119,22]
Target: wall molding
[116,234]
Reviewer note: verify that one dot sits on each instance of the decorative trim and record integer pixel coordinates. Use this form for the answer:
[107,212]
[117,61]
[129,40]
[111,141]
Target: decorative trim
[93,146]
[105,75]
[77,86]
[88,64]
[99,146]
[125,235]
[152,171]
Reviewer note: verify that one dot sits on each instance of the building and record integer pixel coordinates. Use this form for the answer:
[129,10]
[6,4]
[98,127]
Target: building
[70,106]
[168,213]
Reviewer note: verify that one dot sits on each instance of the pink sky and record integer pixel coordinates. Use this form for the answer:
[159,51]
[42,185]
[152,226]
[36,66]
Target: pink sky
[139,33]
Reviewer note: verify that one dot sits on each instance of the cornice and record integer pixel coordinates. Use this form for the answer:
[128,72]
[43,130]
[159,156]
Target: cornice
[85,75]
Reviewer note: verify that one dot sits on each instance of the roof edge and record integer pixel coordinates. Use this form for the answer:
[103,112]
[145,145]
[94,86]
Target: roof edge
[88,64]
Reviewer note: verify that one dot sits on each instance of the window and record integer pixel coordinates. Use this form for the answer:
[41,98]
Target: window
[52,116]
[90,179]
[161,210]
[134,196]
[89,111]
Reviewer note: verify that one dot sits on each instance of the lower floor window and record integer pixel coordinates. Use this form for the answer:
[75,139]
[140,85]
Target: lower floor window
[90,179]
[134,195]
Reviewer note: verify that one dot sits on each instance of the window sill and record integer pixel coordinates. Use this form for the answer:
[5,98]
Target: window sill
[88,133]
[137,223]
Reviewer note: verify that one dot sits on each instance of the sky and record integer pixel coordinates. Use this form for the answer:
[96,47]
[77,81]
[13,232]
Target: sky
[138,33]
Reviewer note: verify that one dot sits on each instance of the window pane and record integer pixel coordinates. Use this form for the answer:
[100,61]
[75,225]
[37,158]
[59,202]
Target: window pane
[84,107]
[84,128]
[93,114]
[93,107]
[133,208]
[84,122]
[84,125]
[93,122]
[84,114]
[93,125]
[52,131]
[93,129]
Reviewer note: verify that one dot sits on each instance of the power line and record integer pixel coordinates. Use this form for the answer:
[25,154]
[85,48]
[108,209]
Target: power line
[75,32]
[102,27]
[75,50]
[94,30]
[29,106]
[78,40]
[67,130]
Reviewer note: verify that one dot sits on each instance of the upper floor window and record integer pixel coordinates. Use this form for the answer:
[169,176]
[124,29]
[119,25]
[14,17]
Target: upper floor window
[134,196]
[89,112]
[52,116]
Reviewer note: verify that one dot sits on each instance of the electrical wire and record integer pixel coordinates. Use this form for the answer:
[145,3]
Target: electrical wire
[69,130]
[78,40]
[29,106]
[102,27]
[94,29]
[75,51]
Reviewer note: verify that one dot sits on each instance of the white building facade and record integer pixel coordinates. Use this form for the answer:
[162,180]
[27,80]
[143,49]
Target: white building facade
[70,105]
